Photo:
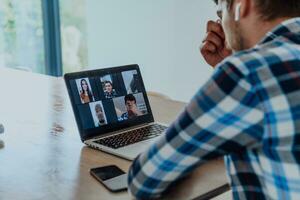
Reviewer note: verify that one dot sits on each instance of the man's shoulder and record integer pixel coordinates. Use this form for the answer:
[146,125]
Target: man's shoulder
[260,56]
[239,61]
[124,115]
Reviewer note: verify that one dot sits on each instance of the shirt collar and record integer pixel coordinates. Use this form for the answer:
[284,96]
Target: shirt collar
[291,26]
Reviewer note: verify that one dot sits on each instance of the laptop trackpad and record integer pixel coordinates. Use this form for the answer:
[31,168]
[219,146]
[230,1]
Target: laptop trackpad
[132,151]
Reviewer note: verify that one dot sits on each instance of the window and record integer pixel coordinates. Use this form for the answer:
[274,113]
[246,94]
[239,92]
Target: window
[21,35]
[35,35]
[73,34]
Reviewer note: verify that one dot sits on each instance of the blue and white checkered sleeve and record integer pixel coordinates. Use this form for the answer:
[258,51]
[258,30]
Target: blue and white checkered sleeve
[223,117]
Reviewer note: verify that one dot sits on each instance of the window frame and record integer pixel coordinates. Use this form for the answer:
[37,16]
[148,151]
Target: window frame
[52,37]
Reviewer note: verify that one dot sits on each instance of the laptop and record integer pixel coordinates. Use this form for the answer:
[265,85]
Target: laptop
[112,110]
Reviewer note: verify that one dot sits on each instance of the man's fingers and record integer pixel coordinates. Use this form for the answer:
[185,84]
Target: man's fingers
[208,46]
[216,28]
[215,39]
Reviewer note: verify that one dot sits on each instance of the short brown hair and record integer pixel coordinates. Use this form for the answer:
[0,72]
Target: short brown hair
[129,97]
[272,9]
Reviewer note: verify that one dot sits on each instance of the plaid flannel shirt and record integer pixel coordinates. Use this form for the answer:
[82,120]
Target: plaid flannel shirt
[249,112]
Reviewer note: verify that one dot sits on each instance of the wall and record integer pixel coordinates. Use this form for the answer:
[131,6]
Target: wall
[162,36]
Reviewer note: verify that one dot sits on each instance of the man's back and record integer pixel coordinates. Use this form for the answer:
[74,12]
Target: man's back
[250,112]
[271,169]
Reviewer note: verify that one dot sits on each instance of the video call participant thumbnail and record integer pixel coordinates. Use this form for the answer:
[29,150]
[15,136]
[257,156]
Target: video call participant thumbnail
[131,107]
[109,91]
[131,81]
[86,95]
[98,114]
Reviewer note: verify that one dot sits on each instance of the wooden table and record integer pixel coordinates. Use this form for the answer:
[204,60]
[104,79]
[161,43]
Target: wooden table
[43,157]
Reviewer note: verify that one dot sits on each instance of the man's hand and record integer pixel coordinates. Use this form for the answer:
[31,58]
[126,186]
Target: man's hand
[213,47]
[135,111]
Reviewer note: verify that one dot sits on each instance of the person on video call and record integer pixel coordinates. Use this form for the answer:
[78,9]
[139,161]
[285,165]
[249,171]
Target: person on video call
[100,115]
[249,110]
[109,91]
[85,93]
[131,107]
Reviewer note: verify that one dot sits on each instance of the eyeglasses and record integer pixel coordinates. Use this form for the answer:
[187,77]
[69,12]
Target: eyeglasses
[220,6]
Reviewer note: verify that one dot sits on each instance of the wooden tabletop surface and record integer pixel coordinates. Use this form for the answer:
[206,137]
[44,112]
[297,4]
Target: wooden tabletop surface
[43,157]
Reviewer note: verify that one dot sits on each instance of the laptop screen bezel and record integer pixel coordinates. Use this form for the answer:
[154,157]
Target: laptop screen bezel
[86,134]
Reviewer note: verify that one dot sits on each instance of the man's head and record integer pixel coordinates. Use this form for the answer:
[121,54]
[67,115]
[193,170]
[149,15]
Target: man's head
[108,86]
[245,22]
[271,9]
[130,102]
[99,113]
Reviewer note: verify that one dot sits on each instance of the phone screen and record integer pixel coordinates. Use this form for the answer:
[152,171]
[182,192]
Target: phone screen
[112,177]
[107,172]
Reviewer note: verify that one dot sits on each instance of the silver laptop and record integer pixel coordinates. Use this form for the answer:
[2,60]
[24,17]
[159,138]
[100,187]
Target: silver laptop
[112,110]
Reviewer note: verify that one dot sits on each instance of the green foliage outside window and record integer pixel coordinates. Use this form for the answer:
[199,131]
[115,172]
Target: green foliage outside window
[21,35]
[22,38]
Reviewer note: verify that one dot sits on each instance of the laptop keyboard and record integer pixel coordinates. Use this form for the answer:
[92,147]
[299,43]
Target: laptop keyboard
[131,137]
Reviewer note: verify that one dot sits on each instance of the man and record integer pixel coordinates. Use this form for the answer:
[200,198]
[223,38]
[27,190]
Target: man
[248,112]
[109,91]
[100,115]
[131,107]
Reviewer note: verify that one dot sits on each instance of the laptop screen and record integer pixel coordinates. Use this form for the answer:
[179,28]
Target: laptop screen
[108,100]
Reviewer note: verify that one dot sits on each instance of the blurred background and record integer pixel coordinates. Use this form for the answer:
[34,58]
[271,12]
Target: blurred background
[54,37]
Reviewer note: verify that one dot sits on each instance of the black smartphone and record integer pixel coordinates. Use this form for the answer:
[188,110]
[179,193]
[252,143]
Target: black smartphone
[111,176]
